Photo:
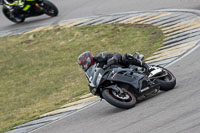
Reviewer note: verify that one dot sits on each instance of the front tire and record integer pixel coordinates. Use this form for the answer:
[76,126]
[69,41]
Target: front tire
[50,9]
[168,82]
[125,102]
[12,18]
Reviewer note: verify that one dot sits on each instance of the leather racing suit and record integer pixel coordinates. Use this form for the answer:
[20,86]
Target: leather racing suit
[118,59]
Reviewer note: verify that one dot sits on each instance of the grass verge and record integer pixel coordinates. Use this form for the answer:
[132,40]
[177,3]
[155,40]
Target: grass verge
[39,71]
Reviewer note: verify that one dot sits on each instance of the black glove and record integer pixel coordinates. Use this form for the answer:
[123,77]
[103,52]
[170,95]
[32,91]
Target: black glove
[138,56]
[112,61]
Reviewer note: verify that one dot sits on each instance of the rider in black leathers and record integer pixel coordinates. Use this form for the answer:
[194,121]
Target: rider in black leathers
[86,59]
[117,58]
[23,5]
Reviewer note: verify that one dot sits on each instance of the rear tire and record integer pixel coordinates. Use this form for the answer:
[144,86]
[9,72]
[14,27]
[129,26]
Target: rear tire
[50,9]
[13,19]
[168,82]
[110,96]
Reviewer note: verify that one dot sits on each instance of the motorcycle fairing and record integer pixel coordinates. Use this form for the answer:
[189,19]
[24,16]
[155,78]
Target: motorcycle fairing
[128,76]
[95,75]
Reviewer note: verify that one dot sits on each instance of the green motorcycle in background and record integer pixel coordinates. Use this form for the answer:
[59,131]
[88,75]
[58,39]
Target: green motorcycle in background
[18,11]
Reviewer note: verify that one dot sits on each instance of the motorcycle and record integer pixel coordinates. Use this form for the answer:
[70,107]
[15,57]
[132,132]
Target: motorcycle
[40,7]
[123,87]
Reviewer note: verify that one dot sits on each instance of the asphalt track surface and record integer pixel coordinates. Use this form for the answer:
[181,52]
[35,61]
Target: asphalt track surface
[175,111]
[70,9]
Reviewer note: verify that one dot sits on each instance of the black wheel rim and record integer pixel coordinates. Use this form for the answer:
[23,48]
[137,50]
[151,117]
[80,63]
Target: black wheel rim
[124,97]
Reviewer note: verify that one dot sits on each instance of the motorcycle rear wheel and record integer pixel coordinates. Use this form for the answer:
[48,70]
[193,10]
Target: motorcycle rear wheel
[13,19]
[128,100]
[50,9]
[168,82]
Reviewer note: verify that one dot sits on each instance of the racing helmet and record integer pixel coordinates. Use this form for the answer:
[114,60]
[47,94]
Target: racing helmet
[85,60]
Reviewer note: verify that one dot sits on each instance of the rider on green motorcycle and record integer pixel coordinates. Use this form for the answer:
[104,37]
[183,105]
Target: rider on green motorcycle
[25,5]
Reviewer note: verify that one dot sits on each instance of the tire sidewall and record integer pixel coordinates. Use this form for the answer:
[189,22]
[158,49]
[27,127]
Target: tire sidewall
[50,4]
[167,85]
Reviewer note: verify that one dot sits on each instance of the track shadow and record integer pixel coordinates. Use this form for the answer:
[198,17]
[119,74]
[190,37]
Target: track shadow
[114,110]
[28,22]
[150,97]
[155,96]
[32,21]
[111,111]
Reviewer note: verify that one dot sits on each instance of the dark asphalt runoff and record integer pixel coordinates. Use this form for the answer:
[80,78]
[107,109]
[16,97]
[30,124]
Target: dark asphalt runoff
[70,9]
[175,111]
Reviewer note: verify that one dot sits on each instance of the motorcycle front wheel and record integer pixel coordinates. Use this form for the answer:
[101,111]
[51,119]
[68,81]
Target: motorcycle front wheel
[124,100]
[11,17]
[50,9]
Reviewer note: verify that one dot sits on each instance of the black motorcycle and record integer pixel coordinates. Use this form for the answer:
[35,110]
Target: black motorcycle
[123,87]
[40,7]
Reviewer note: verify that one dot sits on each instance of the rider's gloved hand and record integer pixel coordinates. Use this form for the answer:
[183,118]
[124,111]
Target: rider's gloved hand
[138,56]
[112,61]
